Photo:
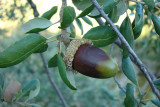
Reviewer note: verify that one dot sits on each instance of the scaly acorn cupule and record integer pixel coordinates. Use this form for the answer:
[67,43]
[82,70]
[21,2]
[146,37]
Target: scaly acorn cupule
[90,60]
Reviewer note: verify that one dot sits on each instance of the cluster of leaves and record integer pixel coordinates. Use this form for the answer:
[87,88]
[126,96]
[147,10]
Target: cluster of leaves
[100,35]
[14,93]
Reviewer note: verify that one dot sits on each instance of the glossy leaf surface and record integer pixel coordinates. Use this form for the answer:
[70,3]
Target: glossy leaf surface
[36,25]
[48,14]
[68,16]
[20,50]
[101,35]
[128,70]
[63,72]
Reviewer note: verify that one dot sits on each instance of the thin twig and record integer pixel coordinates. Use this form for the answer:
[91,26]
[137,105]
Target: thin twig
[51,41]
[142,96]
[115,79]
[64,38]
[36,14]
[52,81]
[141,66]
[119,85]
[152,76]
[124,91]
[128,17]
[53,36]
[111,49]
[118,43]
[33,6]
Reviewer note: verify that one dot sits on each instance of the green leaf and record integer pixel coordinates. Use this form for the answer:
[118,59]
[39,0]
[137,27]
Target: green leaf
[121,8]
[1,84]
[35,92]
[30,89]
[86,11]
[157,83]
[53,61]
[48,14]
[138,23]
[1,79]
[19,51]
[156,46]
[156,22]
[36,25]
[79,25]
[107,7]
[150,4]
[73,31]
[156,102]
[1,92]
[130,99]
[62,72]
[126,30]
[43,48]
[68,16]
[87,20]
[113,15]
[71,78]
[101,35]
[82,4]
[128,70]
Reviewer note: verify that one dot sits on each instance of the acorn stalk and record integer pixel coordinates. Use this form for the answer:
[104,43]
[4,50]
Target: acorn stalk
[83,57]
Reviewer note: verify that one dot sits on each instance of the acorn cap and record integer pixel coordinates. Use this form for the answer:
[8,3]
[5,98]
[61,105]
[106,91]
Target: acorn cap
[71,50]
[89,60]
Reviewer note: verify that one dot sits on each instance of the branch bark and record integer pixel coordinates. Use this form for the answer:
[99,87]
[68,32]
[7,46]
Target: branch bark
[115,79]
[64,38]
[52,81]
[36,14]
[119,85]
[140,65]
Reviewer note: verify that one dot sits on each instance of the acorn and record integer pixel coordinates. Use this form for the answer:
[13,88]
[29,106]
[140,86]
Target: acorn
[12,89]
[81,56]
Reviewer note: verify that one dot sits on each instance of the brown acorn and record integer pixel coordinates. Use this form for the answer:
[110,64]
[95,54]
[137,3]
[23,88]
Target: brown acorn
[83,57]
[11,91]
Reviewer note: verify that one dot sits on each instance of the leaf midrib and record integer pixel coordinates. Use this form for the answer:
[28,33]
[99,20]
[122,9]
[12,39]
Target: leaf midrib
[22,55]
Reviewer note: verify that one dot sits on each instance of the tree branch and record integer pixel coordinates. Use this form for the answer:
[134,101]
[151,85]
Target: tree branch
[110,54]
[33,6]
[115,79]
[119,85]
[118,43]
[141,66]
[36,14]
[64,38]
[52,81]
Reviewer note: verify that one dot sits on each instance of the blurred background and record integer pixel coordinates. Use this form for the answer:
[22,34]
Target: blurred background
[91,92]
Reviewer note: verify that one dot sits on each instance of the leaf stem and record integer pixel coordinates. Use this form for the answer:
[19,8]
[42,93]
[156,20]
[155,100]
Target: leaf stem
[53,36]
[51,41]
